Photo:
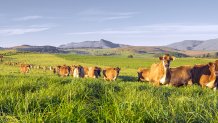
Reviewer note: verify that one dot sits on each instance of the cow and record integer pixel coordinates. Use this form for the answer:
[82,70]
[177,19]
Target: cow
[94,72]
[63,71]
[216,84]
[111,73]
[180,76]
[1,57]
[77,71]
[143,74]
[216,67]
[56,69]
[157,74]
[24,68]
[204,75]
[86,70]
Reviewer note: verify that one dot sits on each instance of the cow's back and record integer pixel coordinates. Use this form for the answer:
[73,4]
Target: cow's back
[110,74]
[180,76]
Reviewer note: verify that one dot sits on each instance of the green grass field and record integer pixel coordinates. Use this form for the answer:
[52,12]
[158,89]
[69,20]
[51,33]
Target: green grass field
[41,96]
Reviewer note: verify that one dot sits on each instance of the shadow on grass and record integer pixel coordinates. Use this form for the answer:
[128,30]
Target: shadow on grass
[128,78]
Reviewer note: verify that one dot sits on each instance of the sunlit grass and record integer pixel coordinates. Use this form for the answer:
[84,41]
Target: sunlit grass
[44,97]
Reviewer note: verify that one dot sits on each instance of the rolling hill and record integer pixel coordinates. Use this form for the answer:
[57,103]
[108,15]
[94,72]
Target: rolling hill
[207,45]
[102,44]
[41,49]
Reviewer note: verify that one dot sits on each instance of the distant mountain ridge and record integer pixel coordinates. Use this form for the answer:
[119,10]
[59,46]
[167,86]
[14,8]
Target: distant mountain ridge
[102,44]
[42,49]
[207,45]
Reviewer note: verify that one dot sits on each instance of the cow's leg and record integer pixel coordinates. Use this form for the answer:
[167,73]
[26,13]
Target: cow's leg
[190,82]
[114,78]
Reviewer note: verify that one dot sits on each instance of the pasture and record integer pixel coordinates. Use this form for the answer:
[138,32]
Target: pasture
[41,96]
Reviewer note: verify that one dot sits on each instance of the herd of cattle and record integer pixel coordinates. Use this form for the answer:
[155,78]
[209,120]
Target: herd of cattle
[76,71]
[160,73]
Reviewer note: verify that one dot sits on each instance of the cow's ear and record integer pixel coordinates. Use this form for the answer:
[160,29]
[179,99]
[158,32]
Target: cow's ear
[210,64]
[161,58]
[172,58]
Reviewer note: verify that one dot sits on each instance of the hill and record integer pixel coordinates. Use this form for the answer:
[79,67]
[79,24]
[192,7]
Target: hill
[42,49]
[207,45]
[102,44]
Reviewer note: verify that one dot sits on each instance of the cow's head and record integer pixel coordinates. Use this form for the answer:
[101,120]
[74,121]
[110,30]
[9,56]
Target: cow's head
[167,59]
[212,67]
[117,69]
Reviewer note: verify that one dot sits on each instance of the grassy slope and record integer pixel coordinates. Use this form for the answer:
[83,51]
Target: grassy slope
[41,96]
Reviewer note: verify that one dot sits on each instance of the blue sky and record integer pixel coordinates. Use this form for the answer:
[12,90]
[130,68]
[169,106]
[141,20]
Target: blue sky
[134,22]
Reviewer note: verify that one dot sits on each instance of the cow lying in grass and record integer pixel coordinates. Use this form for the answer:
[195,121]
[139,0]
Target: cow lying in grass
[92,72]
[204,75]
[24,68]
[158,72]
[180,76]
[62,71]
[111,74]
[77,71]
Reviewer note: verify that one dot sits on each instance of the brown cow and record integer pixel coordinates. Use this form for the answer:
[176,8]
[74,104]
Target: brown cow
[204,75]
[86,70]
[1,57]
[94,72]
[111,73]
[158,72]
[63,70]
[77,71]
[24,68]
[56,69]
[216,65]
[143,74]
[216,84]
[180,76]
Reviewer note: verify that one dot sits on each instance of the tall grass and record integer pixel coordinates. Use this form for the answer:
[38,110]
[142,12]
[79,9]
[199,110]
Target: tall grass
[43,97]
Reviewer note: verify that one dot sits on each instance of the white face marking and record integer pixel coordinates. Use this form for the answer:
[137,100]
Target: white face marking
[163,79]
[210,84]
[214,89]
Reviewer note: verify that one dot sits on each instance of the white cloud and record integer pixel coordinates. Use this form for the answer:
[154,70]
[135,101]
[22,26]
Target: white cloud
[158,30]
[160,34]
[20,31]
[100,15]
[26,18]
